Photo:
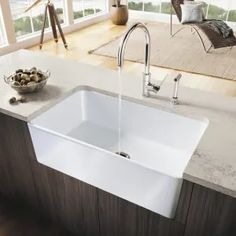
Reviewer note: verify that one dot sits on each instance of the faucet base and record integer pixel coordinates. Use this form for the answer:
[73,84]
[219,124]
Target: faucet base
[149,87]
[146,82]
[174,101]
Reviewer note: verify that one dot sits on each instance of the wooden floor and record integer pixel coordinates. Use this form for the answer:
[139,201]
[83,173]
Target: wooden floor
[16,220]
[89,38]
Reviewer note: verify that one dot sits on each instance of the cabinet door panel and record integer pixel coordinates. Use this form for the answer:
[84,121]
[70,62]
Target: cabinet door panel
[16,177]
[211,213]
[119,217]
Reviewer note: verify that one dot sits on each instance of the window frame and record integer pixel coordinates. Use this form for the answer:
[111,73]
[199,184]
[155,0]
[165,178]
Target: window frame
[12,42]
[37,32]
[164,17]
[2,30]
[79,19]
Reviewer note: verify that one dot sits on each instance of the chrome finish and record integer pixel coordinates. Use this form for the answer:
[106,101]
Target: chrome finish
[148,87]
[174,99]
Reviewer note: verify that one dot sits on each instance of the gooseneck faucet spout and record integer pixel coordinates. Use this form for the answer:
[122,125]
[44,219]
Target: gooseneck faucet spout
[147,85]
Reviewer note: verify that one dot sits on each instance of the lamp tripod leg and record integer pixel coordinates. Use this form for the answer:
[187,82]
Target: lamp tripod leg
[53,25]
[43,28]
[59,26]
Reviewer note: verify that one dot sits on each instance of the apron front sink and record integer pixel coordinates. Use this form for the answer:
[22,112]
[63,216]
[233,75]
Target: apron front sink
[79,137]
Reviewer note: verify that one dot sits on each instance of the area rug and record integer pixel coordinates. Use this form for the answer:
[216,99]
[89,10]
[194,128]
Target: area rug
[183,52]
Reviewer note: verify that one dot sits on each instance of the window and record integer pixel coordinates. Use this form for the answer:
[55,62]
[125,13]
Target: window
[158,6]
[213,9]
[32,21]
[100,5]
[232,11]
[136,5]
[84,8]
[154,6]
[2,33]
[218,9]
[27,26]
[165,7]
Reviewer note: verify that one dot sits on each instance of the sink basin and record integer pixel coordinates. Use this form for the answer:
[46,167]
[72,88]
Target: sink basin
[79,137]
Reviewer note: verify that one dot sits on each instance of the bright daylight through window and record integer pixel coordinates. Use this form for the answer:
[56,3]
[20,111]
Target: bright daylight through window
[27,23]
[214,9]
[30,22]
[84,8]
[2,38]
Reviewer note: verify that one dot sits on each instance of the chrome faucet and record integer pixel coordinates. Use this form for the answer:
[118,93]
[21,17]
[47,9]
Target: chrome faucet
[148,87]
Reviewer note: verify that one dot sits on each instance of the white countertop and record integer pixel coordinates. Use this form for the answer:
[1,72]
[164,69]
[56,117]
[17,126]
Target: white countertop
[213,164]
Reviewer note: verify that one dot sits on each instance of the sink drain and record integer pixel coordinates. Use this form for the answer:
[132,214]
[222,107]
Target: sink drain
[123,154]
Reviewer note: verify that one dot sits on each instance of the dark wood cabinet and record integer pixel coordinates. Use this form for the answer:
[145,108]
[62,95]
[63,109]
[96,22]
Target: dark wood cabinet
[16,177]
[120,217]
[67,201]
[89,211]
[211,213]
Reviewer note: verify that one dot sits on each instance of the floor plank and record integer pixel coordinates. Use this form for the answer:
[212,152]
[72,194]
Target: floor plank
[84,40]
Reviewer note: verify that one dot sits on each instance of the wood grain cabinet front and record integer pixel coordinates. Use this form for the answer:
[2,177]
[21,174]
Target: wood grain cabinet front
[16,176]
[121,218]
[211,214]
[67,201]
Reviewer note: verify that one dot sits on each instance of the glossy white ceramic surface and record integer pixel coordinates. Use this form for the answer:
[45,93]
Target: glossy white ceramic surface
[79,136]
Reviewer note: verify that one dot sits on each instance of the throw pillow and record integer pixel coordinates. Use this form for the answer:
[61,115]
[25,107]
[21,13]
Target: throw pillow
[191,13]
[202,3]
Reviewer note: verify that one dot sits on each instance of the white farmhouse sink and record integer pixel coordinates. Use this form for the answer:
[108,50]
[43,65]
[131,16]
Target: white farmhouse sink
[80,135]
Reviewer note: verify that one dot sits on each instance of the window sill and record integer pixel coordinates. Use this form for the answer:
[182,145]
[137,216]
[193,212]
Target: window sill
[33,39]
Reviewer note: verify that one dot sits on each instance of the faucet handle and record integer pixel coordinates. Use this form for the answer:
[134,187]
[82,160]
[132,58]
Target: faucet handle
[153,87]
[157,87]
